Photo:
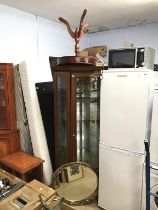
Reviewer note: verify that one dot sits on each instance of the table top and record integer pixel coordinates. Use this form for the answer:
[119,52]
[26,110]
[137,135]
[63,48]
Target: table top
[21,162]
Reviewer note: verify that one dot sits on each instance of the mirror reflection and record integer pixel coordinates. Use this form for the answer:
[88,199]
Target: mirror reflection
[76,182]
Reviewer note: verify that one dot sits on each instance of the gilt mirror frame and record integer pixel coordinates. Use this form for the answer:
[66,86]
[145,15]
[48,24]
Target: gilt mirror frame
[87,199]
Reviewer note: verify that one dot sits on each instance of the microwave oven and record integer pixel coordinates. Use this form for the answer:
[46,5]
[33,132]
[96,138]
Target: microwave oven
[137,57]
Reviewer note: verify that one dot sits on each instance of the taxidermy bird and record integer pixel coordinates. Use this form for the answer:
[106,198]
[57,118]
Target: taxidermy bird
[78,33]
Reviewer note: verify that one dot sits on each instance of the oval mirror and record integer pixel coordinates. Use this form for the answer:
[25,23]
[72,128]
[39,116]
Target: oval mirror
[76,183]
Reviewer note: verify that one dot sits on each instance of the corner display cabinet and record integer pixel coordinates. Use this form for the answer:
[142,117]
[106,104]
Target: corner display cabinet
[76,112]
[9,135]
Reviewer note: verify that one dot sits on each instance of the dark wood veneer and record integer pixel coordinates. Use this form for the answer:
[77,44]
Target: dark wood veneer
[9,134]
[70,73]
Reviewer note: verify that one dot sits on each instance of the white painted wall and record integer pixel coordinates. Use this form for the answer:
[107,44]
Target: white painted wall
[139,36]
[17,35]
[24,36]
[53,39]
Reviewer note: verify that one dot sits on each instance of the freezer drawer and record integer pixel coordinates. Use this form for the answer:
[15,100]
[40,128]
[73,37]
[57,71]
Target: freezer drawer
[120,180]
[124,100]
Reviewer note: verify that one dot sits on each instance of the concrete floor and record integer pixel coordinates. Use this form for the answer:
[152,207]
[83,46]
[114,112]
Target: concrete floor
[92,206]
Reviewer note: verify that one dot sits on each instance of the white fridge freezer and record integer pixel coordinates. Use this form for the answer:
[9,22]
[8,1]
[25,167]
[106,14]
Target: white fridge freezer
[123,118]
[123,108]
[120,179]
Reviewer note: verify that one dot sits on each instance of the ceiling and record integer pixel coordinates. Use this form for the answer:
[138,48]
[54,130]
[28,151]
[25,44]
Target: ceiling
[102,14]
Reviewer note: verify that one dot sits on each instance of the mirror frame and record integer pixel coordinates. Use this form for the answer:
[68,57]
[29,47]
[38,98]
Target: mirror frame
[84,201]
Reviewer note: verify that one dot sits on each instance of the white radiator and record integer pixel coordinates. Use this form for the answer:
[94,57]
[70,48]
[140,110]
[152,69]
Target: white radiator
[21,117]
[29,70]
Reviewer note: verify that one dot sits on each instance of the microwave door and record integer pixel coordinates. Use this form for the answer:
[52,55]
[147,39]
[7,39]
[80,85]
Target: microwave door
[123,58]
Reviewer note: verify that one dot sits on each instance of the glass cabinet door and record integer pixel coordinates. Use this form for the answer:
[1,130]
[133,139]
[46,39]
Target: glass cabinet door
[86,103]
[62,118]
[3,110]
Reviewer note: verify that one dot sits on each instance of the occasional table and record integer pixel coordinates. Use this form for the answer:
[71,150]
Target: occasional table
[23,165]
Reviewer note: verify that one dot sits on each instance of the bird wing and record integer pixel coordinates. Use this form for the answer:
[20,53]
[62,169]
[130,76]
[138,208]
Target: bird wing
[72,34]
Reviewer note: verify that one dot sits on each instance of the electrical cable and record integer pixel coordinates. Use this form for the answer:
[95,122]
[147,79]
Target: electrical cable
[153,186]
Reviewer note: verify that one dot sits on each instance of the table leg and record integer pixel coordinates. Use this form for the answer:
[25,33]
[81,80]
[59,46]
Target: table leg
[40,173]
[24,177]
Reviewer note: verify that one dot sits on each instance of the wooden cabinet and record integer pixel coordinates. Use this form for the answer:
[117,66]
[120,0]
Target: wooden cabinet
[76,113]
[9,135]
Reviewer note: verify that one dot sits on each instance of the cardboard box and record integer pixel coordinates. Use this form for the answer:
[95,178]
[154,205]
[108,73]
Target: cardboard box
[83,53]
[101,50]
